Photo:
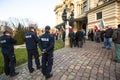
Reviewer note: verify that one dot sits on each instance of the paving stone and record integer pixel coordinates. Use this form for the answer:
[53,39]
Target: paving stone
[71,77]
[77,67]
[64,77]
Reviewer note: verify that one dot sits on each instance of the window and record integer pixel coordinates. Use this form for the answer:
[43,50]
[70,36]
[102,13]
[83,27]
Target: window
[99,0]
[99,15]
[107,0]
[85,6]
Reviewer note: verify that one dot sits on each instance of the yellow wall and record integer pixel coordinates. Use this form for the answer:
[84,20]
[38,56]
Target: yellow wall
[109,15]
[118,8]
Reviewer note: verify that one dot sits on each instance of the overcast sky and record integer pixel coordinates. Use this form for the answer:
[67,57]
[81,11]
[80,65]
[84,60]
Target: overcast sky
[41,11]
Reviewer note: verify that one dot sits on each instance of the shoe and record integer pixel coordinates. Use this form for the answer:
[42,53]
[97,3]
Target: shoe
[118,61]
[14,74]
[103,47]
[7,74]
[108,48]
[32,70]
[39,67]
[49,76]
[114,60]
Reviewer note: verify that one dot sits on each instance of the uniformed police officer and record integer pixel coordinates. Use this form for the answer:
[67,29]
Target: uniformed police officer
[46,44]
[31,41]
[7,43]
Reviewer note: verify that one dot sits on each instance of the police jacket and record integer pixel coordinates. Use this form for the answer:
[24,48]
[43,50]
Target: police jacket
[31,40]
[7,43]
[46,41]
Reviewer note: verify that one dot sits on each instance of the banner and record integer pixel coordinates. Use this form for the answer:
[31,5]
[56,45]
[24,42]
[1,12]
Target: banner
[102,24]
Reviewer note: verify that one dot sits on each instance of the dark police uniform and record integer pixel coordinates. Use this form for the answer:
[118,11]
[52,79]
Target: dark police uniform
[46,44]
[7,43]
[31,41]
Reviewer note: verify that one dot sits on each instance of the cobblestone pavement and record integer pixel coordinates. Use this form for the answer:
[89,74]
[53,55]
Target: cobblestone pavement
[88,63]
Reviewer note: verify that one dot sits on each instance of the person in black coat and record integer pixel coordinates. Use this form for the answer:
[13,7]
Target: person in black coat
[31,41]
[46,44]
[79,38]
[71,37]
[7,43]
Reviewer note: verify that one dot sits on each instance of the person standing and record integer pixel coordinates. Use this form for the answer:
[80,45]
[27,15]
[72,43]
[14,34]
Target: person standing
[84,34]
[31,41]
[7,43]
[98,36]
[63,35]
[92,35]
[79,37]
[71,37]
[116,40]
[108,38]
[46,44]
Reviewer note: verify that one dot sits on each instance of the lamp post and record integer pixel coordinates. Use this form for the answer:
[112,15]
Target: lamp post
[64,18]
[71,18]
[66,23]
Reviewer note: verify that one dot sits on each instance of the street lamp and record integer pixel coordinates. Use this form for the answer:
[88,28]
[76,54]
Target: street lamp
[66,22]
[71,18]
[64,15]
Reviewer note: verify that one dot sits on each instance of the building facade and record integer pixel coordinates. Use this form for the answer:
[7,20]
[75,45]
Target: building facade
[88,13]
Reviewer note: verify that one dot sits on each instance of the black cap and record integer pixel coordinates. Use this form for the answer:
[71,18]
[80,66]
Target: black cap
[47,28]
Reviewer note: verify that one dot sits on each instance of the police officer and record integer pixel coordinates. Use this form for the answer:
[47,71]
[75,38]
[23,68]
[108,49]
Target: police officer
[7,43]
[46,44]
[31,41]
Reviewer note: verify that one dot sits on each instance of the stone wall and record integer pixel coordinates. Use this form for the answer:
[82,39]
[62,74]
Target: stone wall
[109,15]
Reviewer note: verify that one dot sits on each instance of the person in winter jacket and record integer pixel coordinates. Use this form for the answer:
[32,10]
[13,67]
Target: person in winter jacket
[116,40]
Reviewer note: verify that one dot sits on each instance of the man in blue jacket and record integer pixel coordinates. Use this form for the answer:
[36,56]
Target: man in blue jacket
[31,41]
[7,43]
[46,44]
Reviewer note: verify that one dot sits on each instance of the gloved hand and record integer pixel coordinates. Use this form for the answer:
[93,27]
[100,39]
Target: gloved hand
[44,51]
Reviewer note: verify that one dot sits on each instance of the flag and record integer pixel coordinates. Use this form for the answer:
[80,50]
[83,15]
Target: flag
[63,29]
[96,27]
[102,24]
[70,28]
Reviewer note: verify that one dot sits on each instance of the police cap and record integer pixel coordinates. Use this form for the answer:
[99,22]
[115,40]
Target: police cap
[47,27]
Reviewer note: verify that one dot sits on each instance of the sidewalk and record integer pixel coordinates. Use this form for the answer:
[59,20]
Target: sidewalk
[20,46]
[88,63]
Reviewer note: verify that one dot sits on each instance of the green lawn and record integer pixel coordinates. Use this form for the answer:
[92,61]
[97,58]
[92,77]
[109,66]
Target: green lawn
[21,55]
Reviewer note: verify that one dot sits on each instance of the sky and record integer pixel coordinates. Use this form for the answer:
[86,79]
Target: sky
[40,11]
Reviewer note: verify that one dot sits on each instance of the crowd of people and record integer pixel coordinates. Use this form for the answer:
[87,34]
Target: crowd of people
[107,36]
[46,45]
[76,39]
